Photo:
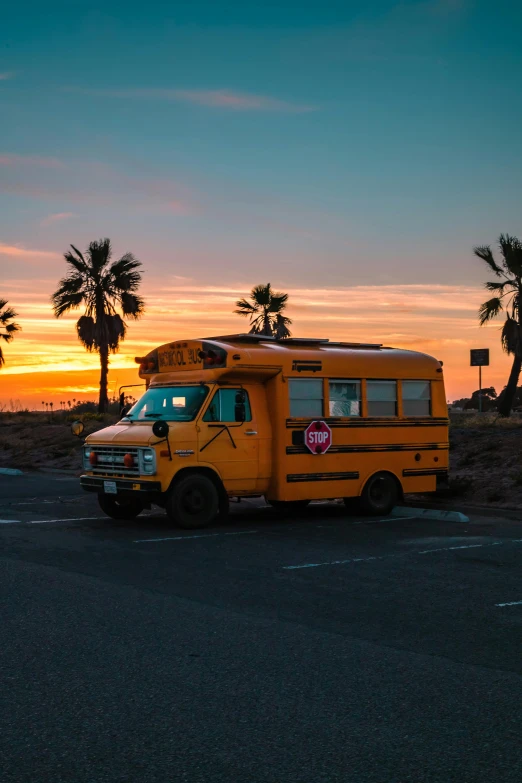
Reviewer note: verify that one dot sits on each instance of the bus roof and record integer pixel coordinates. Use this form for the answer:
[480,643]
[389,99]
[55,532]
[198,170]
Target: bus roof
[234,354]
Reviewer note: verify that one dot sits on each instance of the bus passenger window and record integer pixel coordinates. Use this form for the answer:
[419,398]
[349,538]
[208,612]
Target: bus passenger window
[382,398]
[345,398]
[416,398]
[223,406]
[306,397]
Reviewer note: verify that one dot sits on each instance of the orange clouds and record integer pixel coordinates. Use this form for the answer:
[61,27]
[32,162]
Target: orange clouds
[57,217]
[215,99]
[15,251]
[46,358]
[228,99]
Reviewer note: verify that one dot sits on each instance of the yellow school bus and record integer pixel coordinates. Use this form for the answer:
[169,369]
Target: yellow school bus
[292,420]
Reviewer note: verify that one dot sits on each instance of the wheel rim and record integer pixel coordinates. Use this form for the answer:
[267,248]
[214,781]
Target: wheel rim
[380,492]
[194,501]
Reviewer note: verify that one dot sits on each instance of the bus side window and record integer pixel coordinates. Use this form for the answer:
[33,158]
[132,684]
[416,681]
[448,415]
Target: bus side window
[416,398]
[382,398]
[345,398]
[306,397]
[223,406]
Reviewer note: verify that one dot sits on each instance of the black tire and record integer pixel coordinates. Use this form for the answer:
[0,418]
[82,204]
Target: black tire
[193,502]
[379,495]
[289,505]
[119,508]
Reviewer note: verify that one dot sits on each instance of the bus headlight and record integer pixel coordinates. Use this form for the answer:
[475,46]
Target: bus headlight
[86,455]
[148,461]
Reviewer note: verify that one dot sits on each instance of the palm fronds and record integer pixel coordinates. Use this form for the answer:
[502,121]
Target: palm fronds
[8,327]
[264,310]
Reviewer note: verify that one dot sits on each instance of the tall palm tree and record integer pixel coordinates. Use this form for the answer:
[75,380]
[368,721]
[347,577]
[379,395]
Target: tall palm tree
[7,326]
[98,284]
[508,299]
[265,311]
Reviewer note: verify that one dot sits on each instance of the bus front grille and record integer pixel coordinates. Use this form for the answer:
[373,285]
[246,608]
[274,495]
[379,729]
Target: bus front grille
[110,462]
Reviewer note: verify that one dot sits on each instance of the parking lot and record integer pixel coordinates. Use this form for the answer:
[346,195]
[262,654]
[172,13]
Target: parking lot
[317,647]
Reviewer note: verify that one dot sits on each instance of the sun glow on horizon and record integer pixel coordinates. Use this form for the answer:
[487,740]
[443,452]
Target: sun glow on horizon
[46,358]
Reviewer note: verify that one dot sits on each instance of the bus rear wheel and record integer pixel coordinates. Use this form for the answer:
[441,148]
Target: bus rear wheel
[193,502]
[379,495]
[118,508]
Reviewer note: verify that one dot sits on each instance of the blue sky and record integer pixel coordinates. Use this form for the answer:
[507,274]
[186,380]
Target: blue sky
[313,144]
[397,131]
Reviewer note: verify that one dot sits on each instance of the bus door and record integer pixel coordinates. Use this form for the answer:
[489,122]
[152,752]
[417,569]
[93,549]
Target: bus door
[228,438]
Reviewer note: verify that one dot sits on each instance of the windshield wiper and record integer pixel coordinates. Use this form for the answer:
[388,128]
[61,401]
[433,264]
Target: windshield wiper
[152,415]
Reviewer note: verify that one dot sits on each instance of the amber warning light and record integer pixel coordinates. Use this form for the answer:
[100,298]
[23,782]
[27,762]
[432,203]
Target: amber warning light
[212,358]
[147,363]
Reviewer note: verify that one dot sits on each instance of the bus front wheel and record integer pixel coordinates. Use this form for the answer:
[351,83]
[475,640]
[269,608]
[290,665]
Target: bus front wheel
[117,508]
[193,502]
[379,495]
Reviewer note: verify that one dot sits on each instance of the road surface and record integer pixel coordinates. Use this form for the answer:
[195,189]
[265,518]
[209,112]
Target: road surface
[311,649]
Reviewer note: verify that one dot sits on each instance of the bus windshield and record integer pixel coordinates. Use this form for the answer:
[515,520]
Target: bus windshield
[171,403]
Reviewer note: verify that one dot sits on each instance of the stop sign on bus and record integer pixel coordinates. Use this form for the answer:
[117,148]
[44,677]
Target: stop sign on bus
[318,437]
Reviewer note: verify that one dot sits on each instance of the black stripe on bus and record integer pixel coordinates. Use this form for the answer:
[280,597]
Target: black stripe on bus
[357,423]
[371,448]
[292,478]
[425,472]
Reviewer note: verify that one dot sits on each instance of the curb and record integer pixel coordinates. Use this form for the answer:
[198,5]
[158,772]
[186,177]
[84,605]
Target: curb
[60,471]
[484,511]
[11,472]
[429,513]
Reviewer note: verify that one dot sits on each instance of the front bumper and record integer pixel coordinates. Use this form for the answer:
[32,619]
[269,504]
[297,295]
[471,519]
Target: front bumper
[136,486]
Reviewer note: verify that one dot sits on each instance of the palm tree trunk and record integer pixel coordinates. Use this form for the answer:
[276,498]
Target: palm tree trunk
[103,402]
[508,395]
[267,326]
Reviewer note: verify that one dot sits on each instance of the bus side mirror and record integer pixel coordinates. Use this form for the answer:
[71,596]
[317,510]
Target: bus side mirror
[77,428]
[240,407]
[161,429]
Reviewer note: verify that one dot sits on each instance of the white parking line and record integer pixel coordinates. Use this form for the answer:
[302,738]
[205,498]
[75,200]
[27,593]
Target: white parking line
[510,603]
[200,535]
[335,562]
[402,554]
[465,546]
[71,519]
[9,521]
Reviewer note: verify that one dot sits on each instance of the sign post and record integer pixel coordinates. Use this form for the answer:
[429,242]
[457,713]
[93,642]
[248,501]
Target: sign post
[479,357]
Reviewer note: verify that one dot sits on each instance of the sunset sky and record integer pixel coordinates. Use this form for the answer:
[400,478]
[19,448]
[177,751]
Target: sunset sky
[351,153]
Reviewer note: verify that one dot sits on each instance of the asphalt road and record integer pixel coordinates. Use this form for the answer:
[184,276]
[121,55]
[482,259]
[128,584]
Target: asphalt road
[267,650]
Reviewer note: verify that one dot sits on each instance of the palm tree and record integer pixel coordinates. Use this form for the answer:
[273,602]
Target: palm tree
[508,298]
[100,286]
[7,327]
[265,311]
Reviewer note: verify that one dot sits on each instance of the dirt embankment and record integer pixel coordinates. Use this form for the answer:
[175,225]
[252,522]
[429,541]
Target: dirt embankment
[485,453]
[36,442]
[486,463]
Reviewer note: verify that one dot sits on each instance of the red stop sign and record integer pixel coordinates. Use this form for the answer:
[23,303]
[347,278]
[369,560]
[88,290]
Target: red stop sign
[318,437]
